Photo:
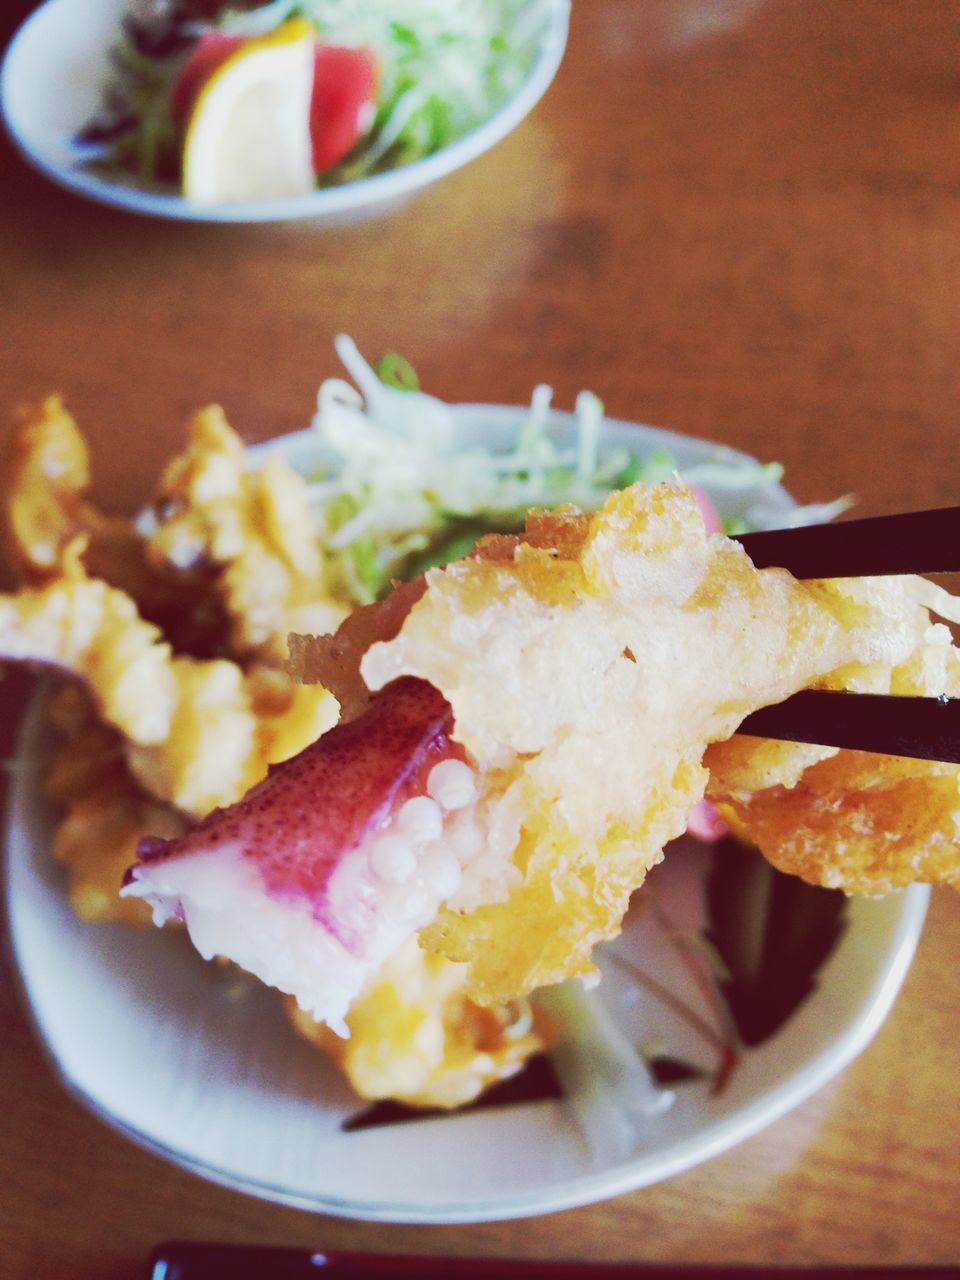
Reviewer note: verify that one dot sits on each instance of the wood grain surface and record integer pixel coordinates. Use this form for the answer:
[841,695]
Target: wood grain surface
[735,218]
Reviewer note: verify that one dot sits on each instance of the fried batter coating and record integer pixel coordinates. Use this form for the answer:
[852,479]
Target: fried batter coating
[48,522]
[227,727]
[417,1037]
[46,473]
[175,735]
[105,812]
[249,532]
[334,660]
[95,631]
[197,733]
[589,663]
[851,820]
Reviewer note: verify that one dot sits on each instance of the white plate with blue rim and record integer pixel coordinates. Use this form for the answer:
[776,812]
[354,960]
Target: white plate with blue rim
[201,1066]
[51,86]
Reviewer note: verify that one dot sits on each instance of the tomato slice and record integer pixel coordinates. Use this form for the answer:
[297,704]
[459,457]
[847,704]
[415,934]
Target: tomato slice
[344,92]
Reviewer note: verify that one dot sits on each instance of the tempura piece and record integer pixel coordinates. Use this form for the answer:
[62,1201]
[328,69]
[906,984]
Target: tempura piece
[105,812]
[197,733]
[250,532]
[85,627]
[313,898]
[588,666]
[49,522]
[569,681]
[417,1037]
[851,820]
[46,474]
[177,732]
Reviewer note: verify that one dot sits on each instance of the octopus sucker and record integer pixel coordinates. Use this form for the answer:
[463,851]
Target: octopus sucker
[333,860]
[523,733]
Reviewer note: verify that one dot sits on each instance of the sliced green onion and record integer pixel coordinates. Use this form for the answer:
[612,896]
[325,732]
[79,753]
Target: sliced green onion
[396,371]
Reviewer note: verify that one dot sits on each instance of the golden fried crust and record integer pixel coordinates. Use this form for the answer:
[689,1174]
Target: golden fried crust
[151,737]
[48,522]
[197,733]
[861,822]
[85,627]
[417,1037]
[45,474]
[588,668]
[334,660]
[249,533]
[104,812]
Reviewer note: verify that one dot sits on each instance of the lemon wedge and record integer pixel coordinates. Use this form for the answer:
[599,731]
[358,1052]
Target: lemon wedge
[248,135]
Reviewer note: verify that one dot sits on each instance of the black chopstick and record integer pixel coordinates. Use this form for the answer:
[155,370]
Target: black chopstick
[923,728]
[914,542]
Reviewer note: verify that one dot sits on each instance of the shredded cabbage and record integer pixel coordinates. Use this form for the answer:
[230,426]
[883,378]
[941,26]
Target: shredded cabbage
[403,488]
[607,1084]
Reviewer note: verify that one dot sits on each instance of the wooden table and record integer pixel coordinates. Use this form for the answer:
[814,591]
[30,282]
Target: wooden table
[740,219]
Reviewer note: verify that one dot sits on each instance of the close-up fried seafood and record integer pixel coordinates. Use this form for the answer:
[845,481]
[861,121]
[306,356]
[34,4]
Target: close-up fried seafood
[863,822]
[105,810]
[169,637]
[480,636]
[521,733]
[176,731]
[248,533]
[48,519]
[534,739]
[191,726]
[415,1035]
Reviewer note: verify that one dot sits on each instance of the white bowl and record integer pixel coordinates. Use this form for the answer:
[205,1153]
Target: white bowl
[50,86]
[201,1066]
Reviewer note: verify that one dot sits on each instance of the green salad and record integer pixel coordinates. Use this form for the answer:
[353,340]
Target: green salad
[439,68]
[407,487]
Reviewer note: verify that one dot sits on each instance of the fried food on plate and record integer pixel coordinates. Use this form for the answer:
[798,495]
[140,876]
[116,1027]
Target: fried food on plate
[249,532]
[104,810]
[520,735]
[197,732]
[94,631]
[416,1036]
[46,474]
[176,702]
[49,522]
[531,736]
[230,564]
[165,736]
[853,820]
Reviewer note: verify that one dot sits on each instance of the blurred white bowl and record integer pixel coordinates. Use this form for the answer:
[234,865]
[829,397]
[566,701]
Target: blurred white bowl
[200,1065]
[52,79]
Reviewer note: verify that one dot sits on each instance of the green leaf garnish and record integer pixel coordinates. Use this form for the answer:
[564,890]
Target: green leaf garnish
[396,371]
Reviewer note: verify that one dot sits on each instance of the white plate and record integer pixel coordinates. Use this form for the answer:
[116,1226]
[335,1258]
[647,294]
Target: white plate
[202,1067]
[53,75]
